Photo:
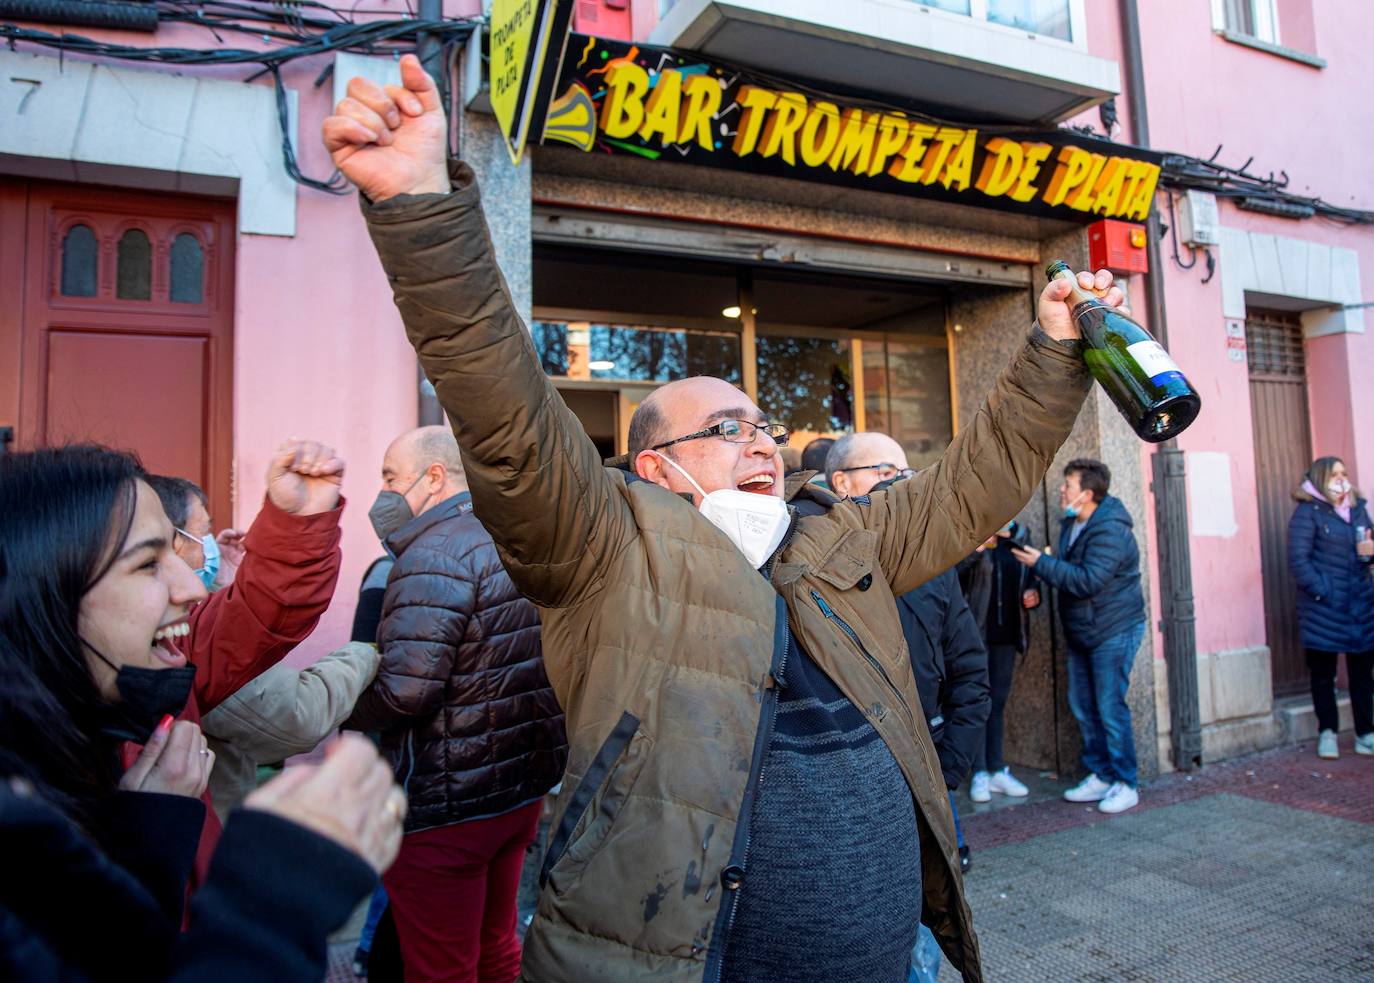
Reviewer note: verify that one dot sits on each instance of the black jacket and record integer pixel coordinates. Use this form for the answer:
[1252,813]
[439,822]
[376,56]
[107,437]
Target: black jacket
[466,714]
[951,667]
[980,576]
[947,658]
[1098,578]
[1335,593]
[70,910]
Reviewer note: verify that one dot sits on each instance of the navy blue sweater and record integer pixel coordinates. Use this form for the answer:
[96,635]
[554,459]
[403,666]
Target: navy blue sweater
[1098,577]
[1335,593]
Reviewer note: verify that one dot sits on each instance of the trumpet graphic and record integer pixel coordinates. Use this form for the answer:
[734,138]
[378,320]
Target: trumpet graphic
[572,118]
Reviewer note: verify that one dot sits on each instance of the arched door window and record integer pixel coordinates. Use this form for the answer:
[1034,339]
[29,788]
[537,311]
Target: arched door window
[188,270]
[134,266]
[79,265]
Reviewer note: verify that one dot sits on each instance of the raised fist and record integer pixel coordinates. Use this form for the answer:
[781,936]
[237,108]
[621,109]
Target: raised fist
[391,140]
[304,477]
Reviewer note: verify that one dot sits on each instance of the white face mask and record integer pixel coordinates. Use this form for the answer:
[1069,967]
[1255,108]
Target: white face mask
[754,523]
[1338,489]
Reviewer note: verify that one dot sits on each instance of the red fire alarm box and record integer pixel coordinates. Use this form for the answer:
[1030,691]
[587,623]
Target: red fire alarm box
[1117,246]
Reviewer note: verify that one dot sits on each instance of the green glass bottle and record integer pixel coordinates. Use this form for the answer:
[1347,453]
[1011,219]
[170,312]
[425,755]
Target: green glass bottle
[1138,374]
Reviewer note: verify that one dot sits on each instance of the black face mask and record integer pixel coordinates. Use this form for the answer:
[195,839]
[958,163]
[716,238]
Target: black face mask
[146,696]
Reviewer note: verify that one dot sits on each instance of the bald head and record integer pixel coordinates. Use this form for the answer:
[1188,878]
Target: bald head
[685,407]
[850,467]
[424,465]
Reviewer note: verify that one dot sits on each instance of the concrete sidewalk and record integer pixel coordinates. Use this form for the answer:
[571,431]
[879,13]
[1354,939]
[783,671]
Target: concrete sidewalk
[1258,869]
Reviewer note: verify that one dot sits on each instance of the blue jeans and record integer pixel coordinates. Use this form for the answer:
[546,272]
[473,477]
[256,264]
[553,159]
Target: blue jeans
[1098,679]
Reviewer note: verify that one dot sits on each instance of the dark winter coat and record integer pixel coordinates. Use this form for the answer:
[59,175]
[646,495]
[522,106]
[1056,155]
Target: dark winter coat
[948,658]
[466,714]
[1335,593]
[1098,578]
[980,577]
[951,668]
[72,911]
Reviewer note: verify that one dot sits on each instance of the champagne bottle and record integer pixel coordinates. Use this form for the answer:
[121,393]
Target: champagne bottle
[1138,374]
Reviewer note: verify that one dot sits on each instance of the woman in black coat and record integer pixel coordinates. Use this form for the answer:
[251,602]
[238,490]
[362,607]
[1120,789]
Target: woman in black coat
[1331,554]
[1000,591]
[96,859]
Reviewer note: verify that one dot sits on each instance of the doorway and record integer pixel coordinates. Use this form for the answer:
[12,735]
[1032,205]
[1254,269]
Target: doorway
[1283,450]
[116,310]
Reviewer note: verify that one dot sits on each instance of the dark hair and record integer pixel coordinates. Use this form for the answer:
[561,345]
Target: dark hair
[645,426]
[814,454]
[175,495]
[1094,476]
[64,513]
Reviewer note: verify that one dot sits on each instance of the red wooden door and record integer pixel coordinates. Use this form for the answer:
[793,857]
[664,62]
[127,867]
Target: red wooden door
[126,331]
[1283,450]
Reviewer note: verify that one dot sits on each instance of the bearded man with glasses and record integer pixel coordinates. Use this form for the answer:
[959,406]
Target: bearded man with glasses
[751,793]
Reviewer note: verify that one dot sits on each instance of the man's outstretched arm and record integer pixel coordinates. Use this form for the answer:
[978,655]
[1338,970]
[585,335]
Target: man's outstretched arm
[994,465]
[537,481]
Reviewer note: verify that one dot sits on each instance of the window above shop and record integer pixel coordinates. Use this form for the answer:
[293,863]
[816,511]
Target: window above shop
[1023,61]
[1286,28]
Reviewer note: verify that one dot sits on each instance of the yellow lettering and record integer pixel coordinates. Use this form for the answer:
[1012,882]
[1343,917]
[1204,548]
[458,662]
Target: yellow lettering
[1107,188]
[1138,207]
[959,169]
[1073,167]
[854,146]
[819,133]
[661,111]
[934,162]
[780,132]
[703,102]
[1083,201]
[893,130]
[754,106]
[1032,156]
[623,108]
[1000,167]
[905,167]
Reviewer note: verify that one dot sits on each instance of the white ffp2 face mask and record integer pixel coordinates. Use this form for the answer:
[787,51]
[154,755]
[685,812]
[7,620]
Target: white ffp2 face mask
[754,523]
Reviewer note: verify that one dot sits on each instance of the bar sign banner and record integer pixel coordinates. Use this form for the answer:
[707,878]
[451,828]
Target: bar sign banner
[615,97]
[527,39]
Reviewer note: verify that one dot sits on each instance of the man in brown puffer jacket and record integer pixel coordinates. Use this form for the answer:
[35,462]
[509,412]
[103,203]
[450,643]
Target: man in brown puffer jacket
[466,715]
[751,794]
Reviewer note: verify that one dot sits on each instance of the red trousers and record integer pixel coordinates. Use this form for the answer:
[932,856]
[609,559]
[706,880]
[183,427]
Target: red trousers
[452,892]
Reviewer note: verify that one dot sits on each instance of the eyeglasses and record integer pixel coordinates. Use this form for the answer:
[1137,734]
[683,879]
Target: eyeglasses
[886,470]
[736,432]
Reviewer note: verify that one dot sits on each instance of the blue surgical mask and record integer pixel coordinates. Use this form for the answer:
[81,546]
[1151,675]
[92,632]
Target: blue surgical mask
[210,570]
[1071,511]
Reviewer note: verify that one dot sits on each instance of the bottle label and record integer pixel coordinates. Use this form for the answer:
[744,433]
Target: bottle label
[1152,357]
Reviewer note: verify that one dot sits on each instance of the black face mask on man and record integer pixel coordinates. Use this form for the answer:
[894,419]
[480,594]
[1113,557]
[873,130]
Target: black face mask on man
[390,511]
[145,697]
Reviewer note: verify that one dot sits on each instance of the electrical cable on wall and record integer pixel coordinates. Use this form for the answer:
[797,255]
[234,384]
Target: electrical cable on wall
[327,29]
[303,37]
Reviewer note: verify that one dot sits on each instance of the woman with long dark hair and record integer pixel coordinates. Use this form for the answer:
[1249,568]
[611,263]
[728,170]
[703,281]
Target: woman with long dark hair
[92,597]
[1331,554]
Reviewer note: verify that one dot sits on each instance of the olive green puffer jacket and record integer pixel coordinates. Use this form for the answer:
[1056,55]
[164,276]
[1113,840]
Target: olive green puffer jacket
[658,635]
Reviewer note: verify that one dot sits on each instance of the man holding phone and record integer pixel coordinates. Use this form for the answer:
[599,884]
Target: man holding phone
[1102,609]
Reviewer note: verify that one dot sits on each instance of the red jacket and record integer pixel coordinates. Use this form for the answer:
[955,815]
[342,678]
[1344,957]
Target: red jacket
[285,582]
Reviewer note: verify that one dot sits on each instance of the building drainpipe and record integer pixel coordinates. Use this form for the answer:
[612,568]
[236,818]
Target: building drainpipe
[431,53]
[1177,622]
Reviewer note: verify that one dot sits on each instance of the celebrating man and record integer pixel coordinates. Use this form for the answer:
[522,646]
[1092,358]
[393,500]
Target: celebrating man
[751,791]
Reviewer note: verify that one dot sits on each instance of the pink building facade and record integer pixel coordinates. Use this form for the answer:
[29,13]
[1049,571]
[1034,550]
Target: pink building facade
[901,310]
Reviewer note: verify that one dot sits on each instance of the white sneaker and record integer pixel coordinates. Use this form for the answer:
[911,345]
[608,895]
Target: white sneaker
[978,787]
[1365,744]
[1090,789]
[1326,745]
[1119,798]
[1005,783]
